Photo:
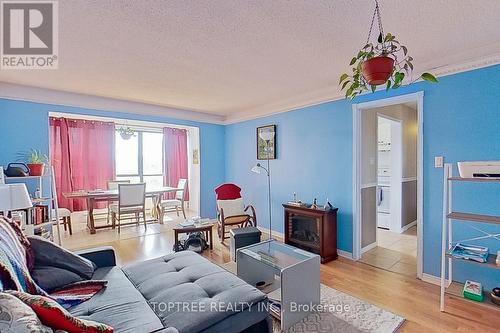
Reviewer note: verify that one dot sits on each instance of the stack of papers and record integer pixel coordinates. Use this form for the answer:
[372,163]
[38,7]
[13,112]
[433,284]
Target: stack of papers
[195,221]
[187,223]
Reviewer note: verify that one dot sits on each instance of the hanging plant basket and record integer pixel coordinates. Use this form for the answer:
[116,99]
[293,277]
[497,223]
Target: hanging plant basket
[385,62]
[377,70]
[126,132]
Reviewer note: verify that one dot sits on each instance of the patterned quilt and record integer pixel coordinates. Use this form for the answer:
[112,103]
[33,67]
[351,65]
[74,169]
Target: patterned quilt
[15,275]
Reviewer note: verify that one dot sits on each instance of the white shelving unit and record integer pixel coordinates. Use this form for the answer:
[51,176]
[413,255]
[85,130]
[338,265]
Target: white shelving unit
[449,287]
[51,200]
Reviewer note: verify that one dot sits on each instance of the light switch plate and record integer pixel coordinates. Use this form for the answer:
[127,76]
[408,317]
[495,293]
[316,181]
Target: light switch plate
[438,161]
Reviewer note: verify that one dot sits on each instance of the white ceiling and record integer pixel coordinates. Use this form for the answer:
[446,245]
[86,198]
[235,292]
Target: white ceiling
[239,59]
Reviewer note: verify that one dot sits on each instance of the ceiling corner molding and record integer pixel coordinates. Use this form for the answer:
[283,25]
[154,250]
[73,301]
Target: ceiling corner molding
[64,98]
[318,97]
[330,94]
[466,66]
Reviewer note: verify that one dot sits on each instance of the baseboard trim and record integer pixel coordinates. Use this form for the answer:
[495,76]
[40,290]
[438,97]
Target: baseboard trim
[345,254]
[369,247]
[408,226]
[432,279]
[274,234]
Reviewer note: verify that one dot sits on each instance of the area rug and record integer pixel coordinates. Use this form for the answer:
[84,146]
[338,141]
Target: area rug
[343,313]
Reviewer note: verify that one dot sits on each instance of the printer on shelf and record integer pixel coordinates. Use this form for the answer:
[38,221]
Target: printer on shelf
[479,169]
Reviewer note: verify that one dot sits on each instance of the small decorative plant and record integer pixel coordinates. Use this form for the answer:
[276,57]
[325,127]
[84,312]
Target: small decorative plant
[126,132]
[386,62]
[35,160]
[34,156]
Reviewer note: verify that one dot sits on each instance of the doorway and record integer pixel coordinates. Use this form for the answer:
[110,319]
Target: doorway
[389,170]
[387,184]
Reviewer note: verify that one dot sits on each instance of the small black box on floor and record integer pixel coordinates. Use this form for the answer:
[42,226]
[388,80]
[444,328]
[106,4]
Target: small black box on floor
[241,237]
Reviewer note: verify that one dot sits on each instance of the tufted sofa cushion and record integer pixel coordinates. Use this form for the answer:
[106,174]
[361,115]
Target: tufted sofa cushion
[119,305]
[190,293]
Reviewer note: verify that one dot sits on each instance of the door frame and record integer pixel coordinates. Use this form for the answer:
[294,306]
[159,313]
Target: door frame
[417,97]
[396,173]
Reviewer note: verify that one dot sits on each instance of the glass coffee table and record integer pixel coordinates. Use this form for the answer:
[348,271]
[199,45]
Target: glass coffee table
[288,275]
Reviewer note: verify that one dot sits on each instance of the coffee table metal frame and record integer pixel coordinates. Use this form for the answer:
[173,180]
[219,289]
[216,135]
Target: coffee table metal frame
[294,271]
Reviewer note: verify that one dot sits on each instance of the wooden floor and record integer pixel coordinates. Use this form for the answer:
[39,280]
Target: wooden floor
[415,300]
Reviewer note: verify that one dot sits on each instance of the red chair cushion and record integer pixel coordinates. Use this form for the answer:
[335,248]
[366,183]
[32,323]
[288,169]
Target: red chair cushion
[55,316]
[227,192]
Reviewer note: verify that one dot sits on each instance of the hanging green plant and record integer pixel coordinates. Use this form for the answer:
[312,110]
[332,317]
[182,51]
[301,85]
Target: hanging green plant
[386,62]
[126,132]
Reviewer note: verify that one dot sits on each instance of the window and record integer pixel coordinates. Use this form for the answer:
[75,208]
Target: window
[140,158]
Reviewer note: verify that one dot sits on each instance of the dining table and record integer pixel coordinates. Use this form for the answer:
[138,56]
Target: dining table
[94,196]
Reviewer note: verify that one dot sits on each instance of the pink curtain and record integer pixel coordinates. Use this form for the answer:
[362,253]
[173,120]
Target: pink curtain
[175,158]
[82,153]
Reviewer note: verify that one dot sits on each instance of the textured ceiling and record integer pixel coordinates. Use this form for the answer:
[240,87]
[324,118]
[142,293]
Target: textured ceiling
[239,58]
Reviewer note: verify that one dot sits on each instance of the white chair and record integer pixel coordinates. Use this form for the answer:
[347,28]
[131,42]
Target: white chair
[65,215]
[131,200]
[113,185]
[175,204]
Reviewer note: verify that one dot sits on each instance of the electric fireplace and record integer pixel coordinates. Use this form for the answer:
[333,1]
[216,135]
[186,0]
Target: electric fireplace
[312,229]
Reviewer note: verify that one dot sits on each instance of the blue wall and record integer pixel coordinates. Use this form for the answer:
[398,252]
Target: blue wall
[24,125]
[314,159]
[461,122]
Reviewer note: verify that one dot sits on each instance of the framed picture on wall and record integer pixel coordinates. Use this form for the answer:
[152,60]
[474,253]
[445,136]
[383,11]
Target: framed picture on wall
[266,142]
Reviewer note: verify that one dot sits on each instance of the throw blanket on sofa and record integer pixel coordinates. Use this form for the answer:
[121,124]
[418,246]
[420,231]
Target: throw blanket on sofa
[15,275]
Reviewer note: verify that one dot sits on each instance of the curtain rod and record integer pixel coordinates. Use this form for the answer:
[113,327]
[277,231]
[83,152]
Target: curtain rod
[117,125]
[122,122]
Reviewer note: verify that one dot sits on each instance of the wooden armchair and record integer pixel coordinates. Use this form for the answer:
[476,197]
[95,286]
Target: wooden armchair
[230,210]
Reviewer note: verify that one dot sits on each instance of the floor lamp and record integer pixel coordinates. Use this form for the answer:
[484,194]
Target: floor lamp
[267,136]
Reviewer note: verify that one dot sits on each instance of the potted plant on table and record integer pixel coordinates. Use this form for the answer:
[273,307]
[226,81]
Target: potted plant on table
[385,62]
[36,161]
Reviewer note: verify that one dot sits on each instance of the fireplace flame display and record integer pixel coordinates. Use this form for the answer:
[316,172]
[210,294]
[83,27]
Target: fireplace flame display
[305,230]
[306,236]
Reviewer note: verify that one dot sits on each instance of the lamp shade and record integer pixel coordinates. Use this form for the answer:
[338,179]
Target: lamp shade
[14,197]
[256,169]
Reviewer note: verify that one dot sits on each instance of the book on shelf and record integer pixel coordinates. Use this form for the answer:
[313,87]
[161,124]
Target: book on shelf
[470,252]
[40,214]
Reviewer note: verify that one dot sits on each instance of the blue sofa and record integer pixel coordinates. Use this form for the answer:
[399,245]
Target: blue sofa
[181,292]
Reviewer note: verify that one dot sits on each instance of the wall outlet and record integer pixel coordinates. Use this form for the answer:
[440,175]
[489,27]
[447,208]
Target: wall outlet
[438,161]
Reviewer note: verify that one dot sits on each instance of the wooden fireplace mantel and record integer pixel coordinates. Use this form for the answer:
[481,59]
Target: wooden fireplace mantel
[324,224]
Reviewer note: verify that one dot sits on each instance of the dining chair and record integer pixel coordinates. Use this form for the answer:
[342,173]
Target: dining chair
[113,185]
[64,215]
[176,203]
[131,200]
